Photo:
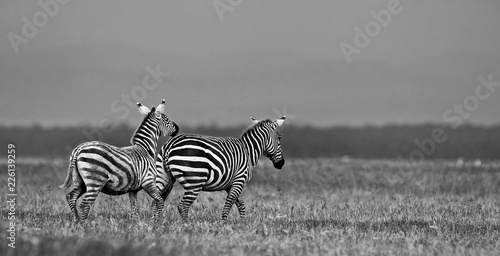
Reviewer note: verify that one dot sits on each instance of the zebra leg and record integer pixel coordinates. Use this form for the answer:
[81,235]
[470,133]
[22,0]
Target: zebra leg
[164,194]
[239,204]
[241,207]
[153,192]
[132,196]
[186,202]
[233,194]
[89,198]
[72,197]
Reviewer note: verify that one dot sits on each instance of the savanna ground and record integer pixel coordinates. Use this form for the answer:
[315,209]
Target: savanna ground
[311,207]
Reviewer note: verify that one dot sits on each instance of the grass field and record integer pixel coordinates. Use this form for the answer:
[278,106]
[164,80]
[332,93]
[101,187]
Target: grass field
[313,207]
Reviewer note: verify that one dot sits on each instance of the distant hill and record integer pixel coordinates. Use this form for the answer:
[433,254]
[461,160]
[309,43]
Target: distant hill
[391,141]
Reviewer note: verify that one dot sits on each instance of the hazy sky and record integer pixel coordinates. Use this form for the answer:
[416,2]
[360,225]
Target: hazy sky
[91,57]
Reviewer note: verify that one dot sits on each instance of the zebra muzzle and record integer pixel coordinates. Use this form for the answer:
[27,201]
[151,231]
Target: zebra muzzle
[279,164]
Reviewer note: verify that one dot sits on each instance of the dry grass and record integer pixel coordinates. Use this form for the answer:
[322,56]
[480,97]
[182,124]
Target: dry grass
[314,207]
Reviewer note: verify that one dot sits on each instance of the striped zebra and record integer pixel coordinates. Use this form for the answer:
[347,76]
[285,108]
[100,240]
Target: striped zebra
[98,167]
[204,163]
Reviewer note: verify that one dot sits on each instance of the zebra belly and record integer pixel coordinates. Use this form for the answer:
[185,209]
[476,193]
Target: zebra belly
[197,169]
[216,182]
[189,178]
[108,191]
[192,178]
[111,189]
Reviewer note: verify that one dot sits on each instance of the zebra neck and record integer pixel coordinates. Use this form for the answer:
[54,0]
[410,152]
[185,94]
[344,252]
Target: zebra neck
[146,137]
[254,146]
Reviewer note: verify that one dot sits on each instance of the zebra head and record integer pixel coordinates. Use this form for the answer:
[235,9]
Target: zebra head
[272,138]
[166,126]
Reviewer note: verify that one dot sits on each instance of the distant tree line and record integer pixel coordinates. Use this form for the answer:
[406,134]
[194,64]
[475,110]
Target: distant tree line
[390,141]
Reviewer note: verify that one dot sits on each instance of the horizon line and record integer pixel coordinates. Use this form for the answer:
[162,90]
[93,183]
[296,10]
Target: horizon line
[230,126]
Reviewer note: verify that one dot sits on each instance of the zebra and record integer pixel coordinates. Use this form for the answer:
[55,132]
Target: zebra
[205,163]
[99,167]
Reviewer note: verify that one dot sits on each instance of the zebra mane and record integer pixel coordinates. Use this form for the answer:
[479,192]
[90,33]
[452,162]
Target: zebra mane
[255,126]
[152,112]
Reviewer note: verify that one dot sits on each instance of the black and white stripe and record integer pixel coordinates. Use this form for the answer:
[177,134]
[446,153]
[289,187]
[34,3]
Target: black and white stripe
[204,163]
[98,167]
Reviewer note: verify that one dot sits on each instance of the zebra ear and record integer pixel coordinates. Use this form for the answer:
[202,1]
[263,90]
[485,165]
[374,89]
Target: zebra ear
[161,107]
[280,121]
[254,120]
[142,109]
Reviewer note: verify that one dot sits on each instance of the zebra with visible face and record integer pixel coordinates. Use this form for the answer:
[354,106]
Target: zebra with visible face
[204,163]
[98,167]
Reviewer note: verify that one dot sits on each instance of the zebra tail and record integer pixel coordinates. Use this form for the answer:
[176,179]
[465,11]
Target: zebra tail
[71,168]
[162,163]
[171,181]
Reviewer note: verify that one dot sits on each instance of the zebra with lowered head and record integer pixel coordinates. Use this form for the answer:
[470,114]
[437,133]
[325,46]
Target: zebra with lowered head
[99,167]
[205,163]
